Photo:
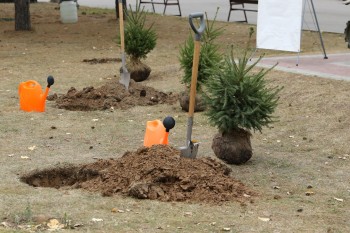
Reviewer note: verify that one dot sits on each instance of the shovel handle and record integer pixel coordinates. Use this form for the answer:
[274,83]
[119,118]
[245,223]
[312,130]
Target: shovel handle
[198,31]
[197,44]
[121,25]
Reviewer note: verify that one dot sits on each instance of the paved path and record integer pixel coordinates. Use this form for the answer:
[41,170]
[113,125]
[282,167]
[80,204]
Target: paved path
[337,66]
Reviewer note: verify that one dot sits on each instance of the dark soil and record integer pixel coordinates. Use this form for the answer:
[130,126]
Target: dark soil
[102,60]
[156,173]
[113,94]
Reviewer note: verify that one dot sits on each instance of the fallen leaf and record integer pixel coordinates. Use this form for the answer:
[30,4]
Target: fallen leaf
[5,224]
[78,225]
[31,147]
[54,224]
[309,193]
[97,219]
[338,199]
[188,214]
[264,219]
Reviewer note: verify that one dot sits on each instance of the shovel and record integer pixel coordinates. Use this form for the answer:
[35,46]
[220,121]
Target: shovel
[191,148]
[124,74]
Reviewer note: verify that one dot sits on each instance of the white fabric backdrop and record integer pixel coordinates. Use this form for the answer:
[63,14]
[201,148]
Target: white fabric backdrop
[279,25]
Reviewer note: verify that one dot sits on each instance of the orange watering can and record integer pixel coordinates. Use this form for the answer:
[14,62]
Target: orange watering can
[31,97]
[157,132]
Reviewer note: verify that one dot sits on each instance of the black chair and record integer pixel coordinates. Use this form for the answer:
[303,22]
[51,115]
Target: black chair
[162,2]
[233,7]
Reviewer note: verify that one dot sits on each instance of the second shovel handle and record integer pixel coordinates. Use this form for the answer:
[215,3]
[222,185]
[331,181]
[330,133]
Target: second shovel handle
[198,31]
[193,89]
[121,25]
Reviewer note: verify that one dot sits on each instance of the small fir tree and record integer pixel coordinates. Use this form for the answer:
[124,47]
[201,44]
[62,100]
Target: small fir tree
[139,41]
[238,100]
[209,54]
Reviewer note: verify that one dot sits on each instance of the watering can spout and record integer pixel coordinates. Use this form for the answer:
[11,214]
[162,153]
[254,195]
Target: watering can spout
[50,82]
[31,97]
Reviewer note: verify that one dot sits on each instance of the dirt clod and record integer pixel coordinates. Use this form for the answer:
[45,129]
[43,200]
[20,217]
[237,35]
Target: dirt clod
[102,60]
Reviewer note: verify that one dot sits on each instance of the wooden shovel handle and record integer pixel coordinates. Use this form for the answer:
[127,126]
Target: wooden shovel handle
[193,90]
[121,25]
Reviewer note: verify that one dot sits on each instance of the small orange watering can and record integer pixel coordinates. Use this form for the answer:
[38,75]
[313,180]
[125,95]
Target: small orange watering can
[31,97]
[157,132]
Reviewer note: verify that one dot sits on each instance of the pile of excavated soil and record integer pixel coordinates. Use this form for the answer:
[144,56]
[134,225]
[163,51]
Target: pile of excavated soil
[156,173]
[112,94]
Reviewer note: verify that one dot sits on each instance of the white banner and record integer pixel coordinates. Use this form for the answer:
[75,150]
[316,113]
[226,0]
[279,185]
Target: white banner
[279,25]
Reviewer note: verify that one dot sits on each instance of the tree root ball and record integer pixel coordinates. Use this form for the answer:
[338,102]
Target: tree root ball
[138,71]
[184,100]
[234,147]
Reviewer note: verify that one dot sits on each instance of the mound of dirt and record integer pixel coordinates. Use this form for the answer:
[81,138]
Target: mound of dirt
[156,173]
[113,94]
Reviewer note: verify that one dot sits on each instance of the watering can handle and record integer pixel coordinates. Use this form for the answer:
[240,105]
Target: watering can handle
[199,31]
[31,83]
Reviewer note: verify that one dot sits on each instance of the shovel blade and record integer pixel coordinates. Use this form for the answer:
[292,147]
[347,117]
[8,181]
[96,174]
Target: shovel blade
[125,78]
[189,151]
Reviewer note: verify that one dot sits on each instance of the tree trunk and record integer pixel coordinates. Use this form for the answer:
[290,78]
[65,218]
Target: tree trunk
[22,15]
[117,8]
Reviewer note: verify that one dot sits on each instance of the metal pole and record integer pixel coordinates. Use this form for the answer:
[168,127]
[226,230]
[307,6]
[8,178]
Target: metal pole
[318,28]
[301,34]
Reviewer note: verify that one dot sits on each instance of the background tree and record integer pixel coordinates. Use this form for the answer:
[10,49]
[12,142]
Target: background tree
[209,58]
[22,15]
[139,41]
